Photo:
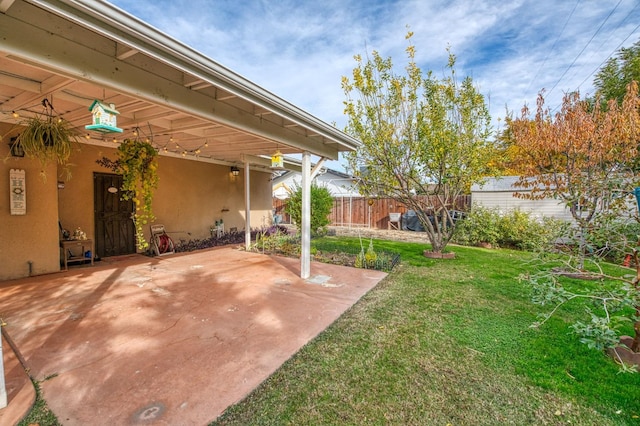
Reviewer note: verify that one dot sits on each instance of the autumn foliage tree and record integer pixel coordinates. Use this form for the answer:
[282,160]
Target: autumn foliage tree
[582,156]
[425,140]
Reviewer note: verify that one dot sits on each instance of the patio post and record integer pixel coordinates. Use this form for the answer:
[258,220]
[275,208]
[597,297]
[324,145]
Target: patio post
[307,177]
[247,206]
[3,389]
[305,250]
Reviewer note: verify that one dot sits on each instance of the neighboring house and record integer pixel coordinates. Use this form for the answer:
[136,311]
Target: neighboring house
[338,183]
[499,193]
[215,132]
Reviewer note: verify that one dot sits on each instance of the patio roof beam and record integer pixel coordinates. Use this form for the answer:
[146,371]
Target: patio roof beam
[261,161]
[83,63]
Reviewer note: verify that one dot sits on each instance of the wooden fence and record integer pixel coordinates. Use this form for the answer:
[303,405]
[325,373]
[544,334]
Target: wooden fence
[362,211]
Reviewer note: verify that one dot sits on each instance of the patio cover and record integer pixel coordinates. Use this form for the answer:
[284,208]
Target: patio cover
[74,52]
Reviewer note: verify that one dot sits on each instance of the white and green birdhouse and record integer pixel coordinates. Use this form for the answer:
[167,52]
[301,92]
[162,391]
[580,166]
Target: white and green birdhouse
[104,118]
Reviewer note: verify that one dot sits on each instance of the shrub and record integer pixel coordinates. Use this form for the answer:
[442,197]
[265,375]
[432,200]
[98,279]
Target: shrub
[613,239]
[515,229]
[520,230]
[480,226]
[321,205]
[276,239]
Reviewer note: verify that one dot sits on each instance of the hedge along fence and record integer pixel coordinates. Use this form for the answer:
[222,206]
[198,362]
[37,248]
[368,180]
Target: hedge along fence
[364,212]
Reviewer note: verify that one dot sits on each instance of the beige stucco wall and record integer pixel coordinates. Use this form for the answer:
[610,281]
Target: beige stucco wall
[34,236]
[191,196]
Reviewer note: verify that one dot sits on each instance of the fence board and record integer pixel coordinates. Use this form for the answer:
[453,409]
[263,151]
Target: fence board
[362,211]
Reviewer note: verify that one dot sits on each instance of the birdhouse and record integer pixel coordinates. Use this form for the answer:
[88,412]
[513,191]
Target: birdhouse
[277,160]
[104,118]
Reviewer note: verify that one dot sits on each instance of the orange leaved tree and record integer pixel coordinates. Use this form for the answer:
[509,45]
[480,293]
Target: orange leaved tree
[582,155]
[585,156]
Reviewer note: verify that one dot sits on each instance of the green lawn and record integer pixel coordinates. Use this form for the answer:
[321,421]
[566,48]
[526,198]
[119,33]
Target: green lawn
[443,342]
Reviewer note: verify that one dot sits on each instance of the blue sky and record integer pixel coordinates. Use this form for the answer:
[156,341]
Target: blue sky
[299,49]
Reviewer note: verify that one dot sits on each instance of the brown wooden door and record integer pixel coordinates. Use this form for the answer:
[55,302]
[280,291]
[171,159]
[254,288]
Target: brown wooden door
[115,233]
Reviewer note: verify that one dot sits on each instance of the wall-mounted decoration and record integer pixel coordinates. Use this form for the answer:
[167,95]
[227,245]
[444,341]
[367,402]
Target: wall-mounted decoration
[18,192]
[104,118]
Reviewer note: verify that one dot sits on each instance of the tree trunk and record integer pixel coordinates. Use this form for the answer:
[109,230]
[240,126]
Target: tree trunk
[635,346]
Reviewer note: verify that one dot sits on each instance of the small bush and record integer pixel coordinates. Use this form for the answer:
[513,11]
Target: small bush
[613,239]
[480,226]
[515,229]
[321,205]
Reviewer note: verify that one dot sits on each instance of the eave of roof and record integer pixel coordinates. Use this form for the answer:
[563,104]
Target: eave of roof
[120,26]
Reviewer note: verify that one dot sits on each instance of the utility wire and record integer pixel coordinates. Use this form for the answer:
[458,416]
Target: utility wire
[584,48]
[614,50]
[552,47]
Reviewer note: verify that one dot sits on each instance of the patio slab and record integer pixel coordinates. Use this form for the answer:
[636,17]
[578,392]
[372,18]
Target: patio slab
[168,340]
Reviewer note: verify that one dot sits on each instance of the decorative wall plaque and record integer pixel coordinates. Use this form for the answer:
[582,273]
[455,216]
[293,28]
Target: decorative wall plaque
[18,192]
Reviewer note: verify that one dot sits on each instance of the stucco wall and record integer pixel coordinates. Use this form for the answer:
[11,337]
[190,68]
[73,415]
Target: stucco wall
[34,236]
[191,196]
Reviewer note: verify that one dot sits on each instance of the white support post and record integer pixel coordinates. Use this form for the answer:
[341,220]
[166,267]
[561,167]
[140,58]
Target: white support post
[305,255]
[3,388]
[247,206]
[307,177]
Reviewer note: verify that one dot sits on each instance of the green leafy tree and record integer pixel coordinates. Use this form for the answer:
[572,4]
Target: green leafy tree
[321,205]
[612,79]
[425,140]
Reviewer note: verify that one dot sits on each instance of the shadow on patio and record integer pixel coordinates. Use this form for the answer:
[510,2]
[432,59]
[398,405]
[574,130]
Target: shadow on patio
[172,340]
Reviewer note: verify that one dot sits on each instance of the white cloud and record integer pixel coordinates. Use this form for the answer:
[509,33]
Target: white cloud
[300,49]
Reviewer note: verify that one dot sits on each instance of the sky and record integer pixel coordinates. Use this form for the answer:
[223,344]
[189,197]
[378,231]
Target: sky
[300,49]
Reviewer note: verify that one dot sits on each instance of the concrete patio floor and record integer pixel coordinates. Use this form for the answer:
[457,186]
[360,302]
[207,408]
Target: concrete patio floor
[168,340]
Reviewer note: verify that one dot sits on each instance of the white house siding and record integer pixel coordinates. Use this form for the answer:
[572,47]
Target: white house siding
[505,201]
[499,193]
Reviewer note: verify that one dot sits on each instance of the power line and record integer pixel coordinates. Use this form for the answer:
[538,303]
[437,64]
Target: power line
[552,47]
[617,47]
[584,48]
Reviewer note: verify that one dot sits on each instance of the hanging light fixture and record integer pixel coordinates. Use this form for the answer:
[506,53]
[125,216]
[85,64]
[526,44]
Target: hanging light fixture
[16,148]
[277,161]
[235,171]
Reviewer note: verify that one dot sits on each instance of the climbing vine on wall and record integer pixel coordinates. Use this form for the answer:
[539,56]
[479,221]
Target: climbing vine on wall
[138,165]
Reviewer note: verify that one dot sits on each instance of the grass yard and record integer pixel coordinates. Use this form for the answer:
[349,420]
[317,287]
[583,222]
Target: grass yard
[445,342]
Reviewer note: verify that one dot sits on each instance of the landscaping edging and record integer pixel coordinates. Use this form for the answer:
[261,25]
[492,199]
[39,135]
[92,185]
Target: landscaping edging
[437,255]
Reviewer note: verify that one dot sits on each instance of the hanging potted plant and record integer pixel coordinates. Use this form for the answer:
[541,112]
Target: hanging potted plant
[138,165]
[48,138]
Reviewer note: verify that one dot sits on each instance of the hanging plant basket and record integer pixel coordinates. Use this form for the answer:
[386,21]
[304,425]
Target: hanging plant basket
[138,165]
[47,138]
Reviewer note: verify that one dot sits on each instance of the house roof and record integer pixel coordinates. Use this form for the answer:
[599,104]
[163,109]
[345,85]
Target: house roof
[74,52]
[338,183]
[294,164]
